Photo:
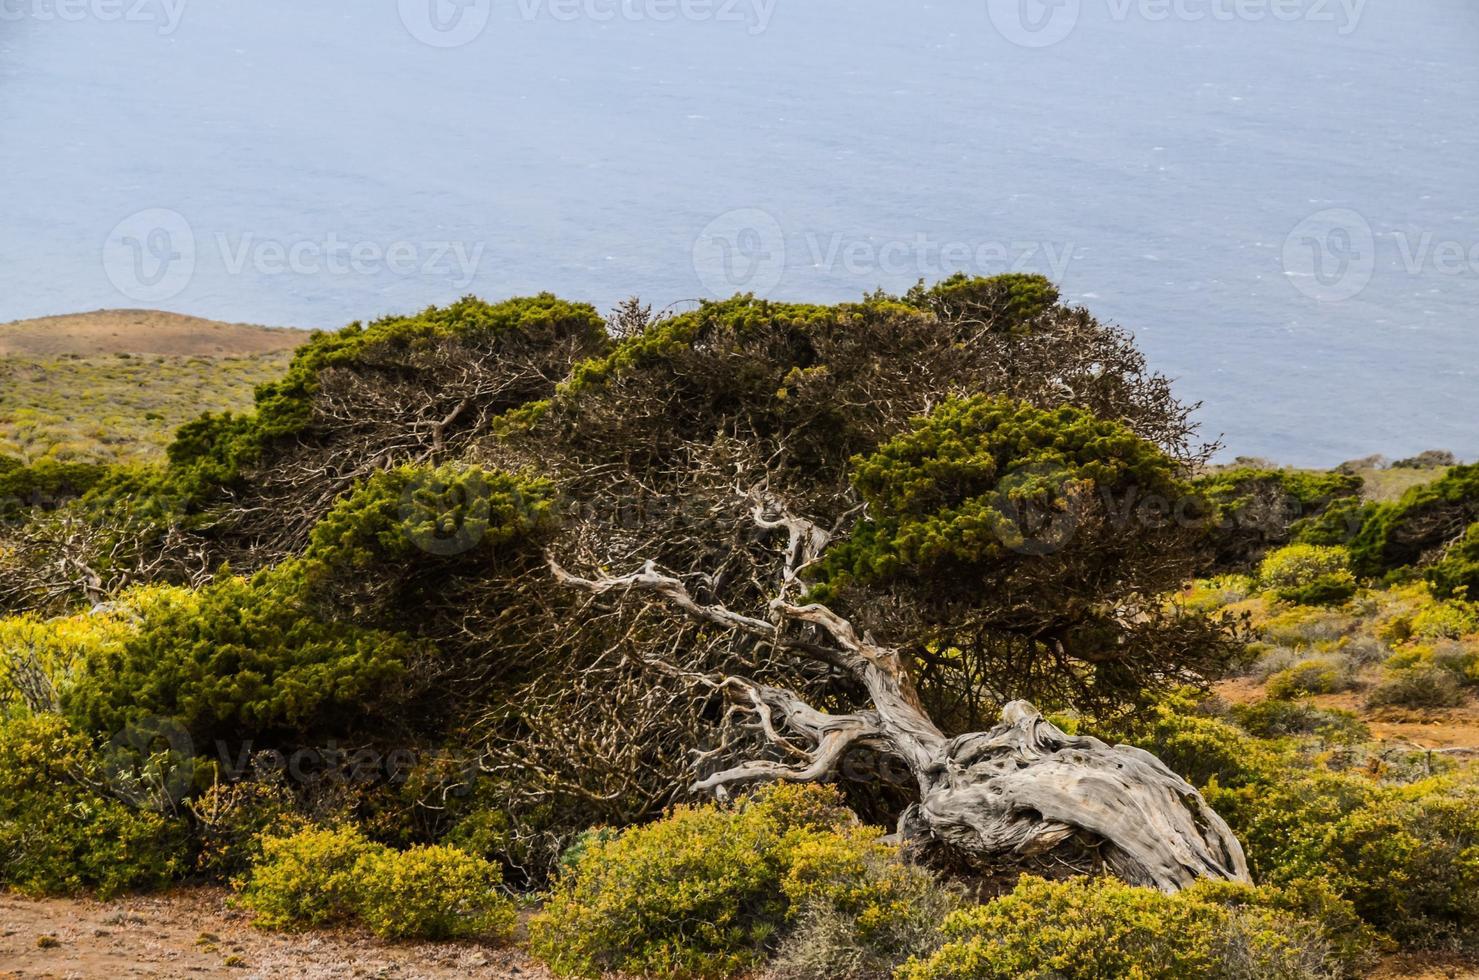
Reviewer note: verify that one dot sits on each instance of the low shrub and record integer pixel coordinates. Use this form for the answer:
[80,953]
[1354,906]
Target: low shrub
[307,879]
[335,876]
[1409,861]
[1210,595]
[1278,718]
[1422,686]
[59,834]
[1448,619]
[1319,675]
[432,892]
[1363,651]
[709,891]
[1103,928]
[859,911]
[1308,574]
[1303,627]
[232,820]
[1195,745]
[1459,659]
[1274,659]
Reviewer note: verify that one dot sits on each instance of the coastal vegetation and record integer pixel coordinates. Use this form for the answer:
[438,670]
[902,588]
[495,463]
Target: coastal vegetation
[912,637]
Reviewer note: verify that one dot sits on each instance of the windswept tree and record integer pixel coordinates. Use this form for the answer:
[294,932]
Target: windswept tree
[854,529]
[749,541]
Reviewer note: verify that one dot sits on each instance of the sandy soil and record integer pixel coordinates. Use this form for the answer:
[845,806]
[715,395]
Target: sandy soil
[140,332]
[192,933]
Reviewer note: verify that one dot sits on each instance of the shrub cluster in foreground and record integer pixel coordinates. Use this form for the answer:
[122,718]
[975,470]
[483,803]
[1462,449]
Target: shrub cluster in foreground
[321,877]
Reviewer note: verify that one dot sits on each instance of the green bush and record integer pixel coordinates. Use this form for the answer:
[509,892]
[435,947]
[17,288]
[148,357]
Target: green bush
[1457,574]
[1409,861]
[1253,509]
[1100,928]
[1196,746]
[320,877]
[318,642]
[1318,675]
[59,834]
[1400,534]
[432,892]
[708,891]
[1278,718]
[240,659]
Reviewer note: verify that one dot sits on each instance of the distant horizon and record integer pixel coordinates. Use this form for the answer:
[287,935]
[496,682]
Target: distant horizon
[1280,210]
[1227,455]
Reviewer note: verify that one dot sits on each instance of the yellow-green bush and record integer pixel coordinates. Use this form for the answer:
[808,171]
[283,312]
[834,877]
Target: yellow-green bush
[1301,564]
[1212,594]
[1459,659]
[432,892]
[308,879]
[707,891]
[1101,928]
[1409,861]
[1407,857]
[858,911]
[1309,574]
[60,832]
[1318,675]
[321,876]
[39,656]
[1446,619]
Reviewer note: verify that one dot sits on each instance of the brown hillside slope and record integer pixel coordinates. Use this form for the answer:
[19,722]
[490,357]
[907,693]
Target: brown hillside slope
[141,332]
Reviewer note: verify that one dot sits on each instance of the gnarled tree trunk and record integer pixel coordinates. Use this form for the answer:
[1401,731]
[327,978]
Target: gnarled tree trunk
[1016,792]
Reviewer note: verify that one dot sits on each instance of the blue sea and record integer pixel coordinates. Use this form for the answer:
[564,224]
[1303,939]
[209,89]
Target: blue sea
[1280,198]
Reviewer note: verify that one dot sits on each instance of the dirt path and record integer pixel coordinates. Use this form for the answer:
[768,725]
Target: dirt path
[191,933]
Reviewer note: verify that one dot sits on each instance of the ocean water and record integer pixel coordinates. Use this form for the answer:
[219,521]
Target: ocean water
[1279,197]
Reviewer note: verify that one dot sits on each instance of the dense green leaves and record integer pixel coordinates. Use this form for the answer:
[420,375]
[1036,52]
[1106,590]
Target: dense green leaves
[983,484]
[1426,517]
[321,643]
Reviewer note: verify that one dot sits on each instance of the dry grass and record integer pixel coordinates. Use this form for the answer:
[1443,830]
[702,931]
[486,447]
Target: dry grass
[140,332]
[114,386]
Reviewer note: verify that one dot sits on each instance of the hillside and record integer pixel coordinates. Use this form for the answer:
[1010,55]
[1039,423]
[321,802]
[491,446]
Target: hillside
[114,385]
[140,332]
